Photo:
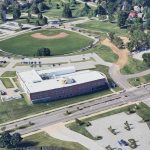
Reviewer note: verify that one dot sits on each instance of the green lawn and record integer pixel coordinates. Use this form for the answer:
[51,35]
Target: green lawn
[26,45]
[7,83]
[43,139]
[9,74]
[57,13]
[105,53]
[134,66]
[144,112]
[140,80]
[104,27]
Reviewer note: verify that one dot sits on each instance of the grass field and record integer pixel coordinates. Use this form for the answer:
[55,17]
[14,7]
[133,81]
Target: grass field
[57,13]
[7,83]
[134,66]
[103,27]
[9,74]
[140,80]
[27,45]
[105,53]
[43,139]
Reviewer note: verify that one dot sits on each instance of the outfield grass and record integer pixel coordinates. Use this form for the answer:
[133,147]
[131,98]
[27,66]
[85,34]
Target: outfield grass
[7,83]
[9,74]
[104,27]
[28,46]
[134,66]
[43,139]
[140,80]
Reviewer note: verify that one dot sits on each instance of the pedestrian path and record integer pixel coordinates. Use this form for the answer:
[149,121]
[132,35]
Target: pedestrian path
[59,131]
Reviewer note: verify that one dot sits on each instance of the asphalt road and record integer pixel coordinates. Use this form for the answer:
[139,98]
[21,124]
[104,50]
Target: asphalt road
[87,108]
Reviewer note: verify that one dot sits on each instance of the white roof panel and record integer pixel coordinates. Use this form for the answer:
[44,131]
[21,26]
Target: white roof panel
[35,83]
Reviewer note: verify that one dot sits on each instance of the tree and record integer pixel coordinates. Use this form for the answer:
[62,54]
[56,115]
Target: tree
[40,16]
[73,3]
[3,10]
[37,23]
[44,52]
[20,25]
[34,8]
[147,24]
[146,58]
[29,15]
[122,17]
[67,13]
[5,139]
[100,10]
[139,40]
[111,36]
[16,13]
[85,10]
[27,20]
[44,20]
[79,122]
[42,6]
[3,128]
[15,139]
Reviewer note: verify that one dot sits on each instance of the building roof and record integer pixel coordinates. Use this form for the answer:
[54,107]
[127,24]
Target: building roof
[43,80]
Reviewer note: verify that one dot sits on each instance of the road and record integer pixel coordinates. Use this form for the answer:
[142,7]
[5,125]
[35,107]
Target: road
[86,108]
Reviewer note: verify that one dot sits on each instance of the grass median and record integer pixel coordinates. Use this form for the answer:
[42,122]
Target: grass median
[7,82]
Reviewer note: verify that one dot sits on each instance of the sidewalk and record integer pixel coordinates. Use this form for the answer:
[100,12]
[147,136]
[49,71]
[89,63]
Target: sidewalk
[61,132]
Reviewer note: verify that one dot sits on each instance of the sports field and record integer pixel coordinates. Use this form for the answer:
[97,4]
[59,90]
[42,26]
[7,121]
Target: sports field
[57,40]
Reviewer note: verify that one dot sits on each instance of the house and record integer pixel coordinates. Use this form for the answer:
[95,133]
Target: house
[132,14]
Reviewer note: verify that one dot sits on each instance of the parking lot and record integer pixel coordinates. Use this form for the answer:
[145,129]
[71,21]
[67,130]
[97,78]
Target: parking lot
[139,131]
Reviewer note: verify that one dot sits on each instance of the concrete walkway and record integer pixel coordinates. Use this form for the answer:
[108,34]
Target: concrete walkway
[140,74]
[59,131]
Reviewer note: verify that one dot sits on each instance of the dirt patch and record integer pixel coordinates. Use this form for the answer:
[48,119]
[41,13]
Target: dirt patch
[125,39]
[47,37]
[123,54]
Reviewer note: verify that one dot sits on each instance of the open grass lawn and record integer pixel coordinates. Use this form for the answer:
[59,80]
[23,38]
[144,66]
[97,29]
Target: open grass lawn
[57,13]
[105,53]
[104,27]
[134,66]
[144,112]
[140,80]
[9,74]
[27,45]
[7,83]
[43,139]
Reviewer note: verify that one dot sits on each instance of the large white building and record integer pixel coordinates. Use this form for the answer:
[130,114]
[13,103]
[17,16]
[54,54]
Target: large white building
[59,83]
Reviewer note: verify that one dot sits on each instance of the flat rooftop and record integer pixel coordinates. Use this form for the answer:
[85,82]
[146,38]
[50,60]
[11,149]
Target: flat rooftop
[43,80]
